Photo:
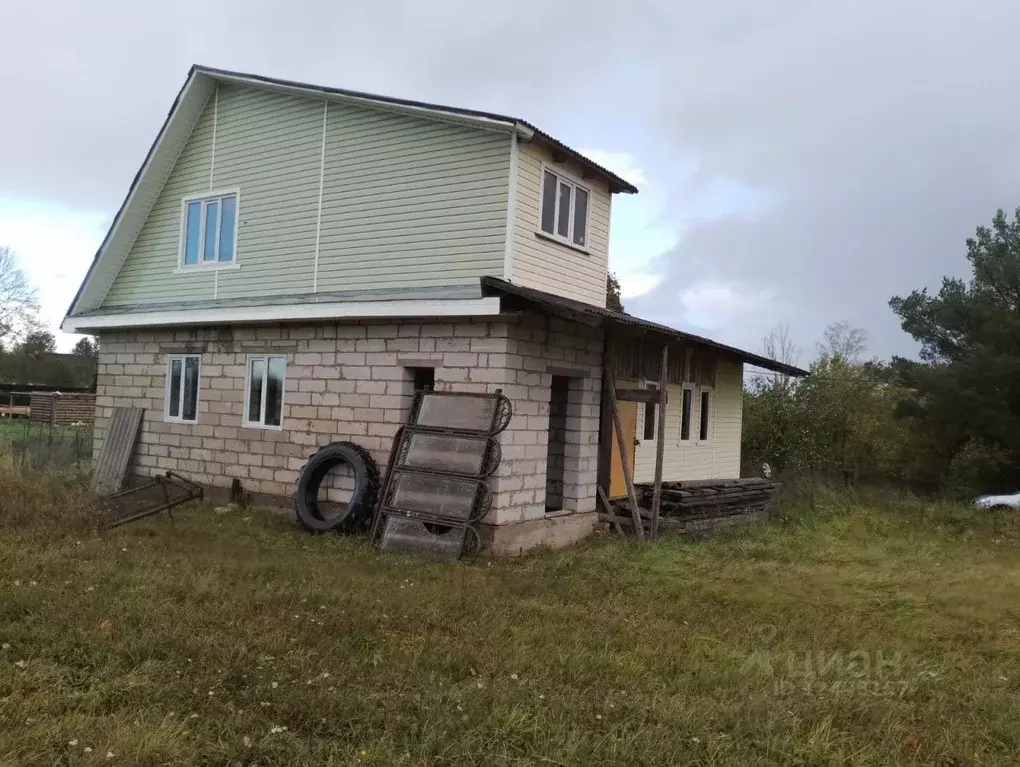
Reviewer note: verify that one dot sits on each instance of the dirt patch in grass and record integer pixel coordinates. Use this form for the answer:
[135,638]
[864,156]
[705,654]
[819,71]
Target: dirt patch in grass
[848,633]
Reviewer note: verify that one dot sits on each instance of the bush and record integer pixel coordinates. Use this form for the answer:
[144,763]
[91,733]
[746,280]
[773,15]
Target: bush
[976,468]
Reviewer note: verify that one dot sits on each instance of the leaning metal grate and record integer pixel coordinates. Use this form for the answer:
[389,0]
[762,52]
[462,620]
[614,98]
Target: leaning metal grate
[443,543]
[435,489]
[460,411]
[454,498]
[465,454]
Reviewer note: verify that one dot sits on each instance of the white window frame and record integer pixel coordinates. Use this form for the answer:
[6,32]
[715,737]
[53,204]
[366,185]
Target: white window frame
[702,390]
[565,178]
[265,392]
[692,433]
[650,386]
[166,389]
[205,197]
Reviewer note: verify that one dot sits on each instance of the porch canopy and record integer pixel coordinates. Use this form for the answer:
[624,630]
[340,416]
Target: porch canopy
[640,350]
[619,326]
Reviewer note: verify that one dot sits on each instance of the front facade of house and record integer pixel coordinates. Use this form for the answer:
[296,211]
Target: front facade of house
[292,262]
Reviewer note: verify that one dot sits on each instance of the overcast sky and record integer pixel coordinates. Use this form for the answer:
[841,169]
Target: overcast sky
[800,161]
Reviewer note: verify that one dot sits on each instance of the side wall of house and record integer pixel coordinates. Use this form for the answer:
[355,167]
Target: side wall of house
[719,458]
[354,382]
[406,202]
[548,265]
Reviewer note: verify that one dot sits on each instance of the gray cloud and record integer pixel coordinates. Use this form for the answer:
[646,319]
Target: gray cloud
[878,133]
[882,133]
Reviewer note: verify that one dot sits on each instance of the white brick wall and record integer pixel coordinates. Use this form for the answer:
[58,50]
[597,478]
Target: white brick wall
[351,382]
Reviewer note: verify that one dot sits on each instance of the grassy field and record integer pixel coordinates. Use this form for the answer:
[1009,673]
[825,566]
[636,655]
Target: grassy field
[42,444]
[847,633]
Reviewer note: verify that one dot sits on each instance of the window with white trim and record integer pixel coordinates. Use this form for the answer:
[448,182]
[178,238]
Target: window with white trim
[686,413]
[182,376]
[651,412]
[209,230]
[704,415]
[564,208]
[263,392]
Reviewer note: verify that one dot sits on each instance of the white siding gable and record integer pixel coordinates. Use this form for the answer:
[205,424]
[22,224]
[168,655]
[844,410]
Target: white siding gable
[551,266]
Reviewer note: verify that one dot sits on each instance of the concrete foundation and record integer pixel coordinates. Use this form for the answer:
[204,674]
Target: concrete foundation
[553,532]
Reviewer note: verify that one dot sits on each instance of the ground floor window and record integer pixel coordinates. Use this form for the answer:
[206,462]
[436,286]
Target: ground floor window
[651,414]
[182,375]
[263,392]
[686,408]
[704,415]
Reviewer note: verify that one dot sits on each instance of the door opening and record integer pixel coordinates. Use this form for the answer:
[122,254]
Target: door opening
[556,462]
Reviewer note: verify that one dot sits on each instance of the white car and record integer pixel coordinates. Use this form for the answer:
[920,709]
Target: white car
[998,502]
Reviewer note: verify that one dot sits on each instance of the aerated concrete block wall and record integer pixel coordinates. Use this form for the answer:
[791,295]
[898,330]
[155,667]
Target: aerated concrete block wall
[348,381]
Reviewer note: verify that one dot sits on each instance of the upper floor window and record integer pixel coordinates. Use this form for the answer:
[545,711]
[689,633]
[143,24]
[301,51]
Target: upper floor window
[564,209]
[209,230]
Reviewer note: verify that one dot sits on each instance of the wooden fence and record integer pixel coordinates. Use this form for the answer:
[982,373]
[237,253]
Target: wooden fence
[54,407]
[14,404]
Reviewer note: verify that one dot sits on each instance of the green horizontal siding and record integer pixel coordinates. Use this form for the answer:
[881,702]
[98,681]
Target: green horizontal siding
[270,147]
[407,202]
[147,275]
[410,202]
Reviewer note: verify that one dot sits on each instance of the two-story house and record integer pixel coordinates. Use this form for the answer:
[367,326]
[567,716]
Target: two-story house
[291,261]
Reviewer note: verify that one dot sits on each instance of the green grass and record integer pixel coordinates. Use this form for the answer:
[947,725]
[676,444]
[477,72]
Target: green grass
[42,444]
[850,633]
[12,429]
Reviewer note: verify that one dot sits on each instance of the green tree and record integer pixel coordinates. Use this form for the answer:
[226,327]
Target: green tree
[613,300]
[36,343]
[965,393]
[838,423]
[86,347]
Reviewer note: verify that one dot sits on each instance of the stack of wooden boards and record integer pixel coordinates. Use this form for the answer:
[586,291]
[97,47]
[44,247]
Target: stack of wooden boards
[697,505]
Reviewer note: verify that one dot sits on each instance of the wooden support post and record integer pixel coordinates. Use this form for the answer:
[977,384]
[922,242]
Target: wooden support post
[610,513]
[635,511]
[660,444]
[605,420]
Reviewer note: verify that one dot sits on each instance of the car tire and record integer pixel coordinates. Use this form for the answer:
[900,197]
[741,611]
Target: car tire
[357,514]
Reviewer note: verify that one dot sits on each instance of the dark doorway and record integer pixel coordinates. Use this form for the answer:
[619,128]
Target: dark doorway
[424,379]
[557,460]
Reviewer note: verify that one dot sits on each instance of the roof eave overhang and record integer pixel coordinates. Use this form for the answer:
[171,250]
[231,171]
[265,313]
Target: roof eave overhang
[609,319]
[275,314]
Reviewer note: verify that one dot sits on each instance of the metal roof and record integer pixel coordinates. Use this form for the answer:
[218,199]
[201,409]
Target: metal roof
[570,309]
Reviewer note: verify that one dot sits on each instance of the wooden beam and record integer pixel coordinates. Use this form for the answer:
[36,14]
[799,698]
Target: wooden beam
[605,421]
[610,514]
[635,511]
[616,520]
[660,444]
[648,396]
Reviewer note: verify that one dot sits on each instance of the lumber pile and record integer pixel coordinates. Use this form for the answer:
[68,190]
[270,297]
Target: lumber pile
[684,504]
